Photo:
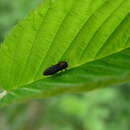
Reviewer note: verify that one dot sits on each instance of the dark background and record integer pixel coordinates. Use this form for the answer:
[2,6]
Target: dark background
[104,109]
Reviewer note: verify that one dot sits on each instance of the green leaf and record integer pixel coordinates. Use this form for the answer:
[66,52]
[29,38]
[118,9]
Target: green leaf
[93,36]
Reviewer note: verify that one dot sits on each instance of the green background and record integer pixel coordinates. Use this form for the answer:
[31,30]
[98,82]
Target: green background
[104,109]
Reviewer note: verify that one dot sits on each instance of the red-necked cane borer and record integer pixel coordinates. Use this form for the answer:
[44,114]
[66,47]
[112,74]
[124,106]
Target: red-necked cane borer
[56,68]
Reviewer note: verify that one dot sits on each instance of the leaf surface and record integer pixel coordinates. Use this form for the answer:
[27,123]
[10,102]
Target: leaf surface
[85,33]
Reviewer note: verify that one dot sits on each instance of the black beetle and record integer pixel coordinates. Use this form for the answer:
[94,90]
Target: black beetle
[56,68]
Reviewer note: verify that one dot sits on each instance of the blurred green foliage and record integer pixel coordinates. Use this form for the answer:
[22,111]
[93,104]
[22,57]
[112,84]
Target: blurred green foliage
[12,11]
[104,109]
